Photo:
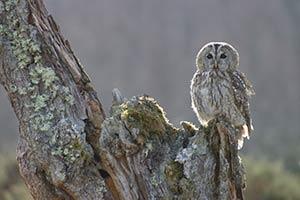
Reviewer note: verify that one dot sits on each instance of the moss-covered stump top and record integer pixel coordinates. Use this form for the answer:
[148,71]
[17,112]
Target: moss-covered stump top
[145,117]
[140,148]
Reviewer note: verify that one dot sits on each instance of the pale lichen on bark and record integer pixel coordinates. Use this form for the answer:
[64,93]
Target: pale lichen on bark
[52,100]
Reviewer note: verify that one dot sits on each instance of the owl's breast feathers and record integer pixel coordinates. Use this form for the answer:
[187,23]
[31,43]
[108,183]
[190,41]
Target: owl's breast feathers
[214,93]
[211,95]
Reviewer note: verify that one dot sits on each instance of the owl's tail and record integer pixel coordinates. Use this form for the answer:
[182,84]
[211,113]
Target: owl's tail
[244,133]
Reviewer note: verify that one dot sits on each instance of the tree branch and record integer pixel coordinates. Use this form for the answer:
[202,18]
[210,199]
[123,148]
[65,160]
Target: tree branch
[57,108]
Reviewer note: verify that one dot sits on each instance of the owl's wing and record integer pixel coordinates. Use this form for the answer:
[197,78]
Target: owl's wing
[248,85]
[243,89]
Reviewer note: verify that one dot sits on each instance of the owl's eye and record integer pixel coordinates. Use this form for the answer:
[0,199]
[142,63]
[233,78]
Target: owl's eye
[223,56]
[209,56]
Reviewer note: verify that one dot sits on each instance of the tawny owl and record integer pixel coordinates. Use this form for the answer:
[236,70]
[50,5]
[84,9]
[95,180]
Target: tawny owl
[218,88]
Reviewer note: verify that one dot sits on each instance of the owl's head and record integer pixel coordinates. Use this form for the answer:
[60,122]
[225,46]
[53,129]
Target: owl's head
[217,56]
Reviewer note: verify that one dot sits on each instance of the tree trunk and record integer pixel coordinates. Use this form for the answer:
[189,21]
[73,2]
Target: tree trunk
[68,150]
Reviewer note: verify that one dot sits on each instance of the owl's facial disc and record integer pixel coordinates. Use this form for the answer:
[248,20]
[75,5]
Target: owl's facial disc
[217,56]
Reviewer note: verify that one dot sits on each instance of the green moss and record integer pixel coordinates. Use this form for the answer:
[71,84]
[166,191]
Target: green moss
[146,115]
[188,188]
[177,182]
[174,173]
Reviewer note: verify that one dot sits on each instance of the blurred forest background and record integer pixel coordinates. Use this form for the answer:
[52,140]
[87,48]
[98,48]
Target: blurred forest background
[149,46]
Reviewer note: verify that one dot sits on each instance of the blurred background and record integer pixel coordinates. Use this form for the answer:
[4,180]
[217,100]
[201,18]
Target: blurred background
[149,46]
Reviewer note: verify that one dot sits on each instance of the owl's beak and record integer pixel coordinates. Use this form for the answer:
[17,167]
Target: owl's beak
[216,65]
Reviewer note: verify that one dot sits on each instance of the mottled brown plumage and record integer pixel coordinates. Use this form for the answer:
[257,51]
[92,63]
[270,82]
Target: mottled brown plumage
[218,88]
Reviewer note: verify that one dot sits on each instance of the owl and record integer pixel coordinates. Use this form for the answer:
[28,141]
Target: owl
[218,88]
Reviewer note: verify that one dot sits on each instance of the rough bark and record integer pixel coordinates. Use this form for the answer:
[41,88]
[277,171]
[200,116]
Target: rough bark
[148,158]
[68,150]
[57,108]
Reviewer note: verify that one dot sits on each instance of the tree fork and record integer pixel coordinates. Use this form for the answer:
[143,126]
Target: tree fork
[67,148]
